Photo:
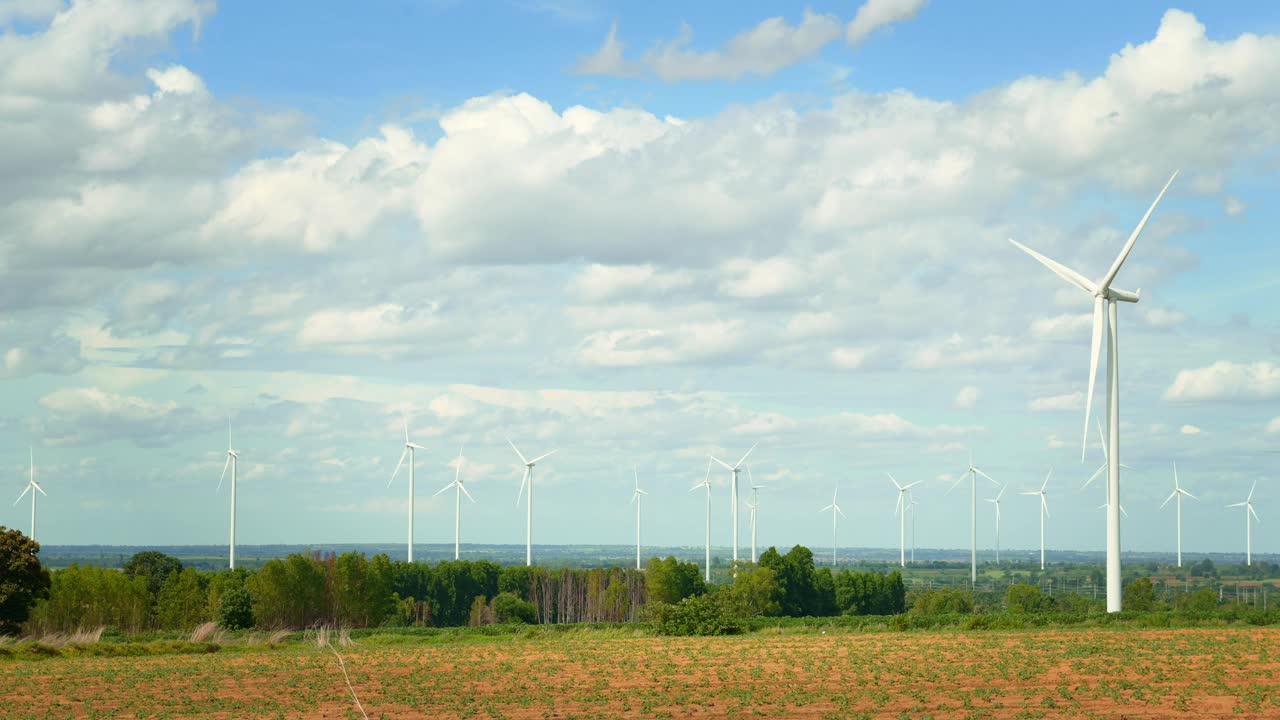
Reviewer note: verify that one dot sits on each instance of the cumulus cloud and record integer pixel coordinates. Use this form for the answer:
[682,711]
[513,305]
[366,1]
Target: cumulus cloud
[967,397]
[957,351]
[1226,380]
[1190,430]
[876,14]
[1054,403]
[1274,426]
[88,415]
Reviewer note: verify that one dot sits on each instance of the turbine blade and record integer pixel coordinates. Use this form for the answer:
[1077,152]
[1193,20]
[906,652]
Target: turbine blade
[446,487]
[544,455]
[36,485]
[826,508]
[1172,495]
[1095,346]
[893,480]
[1059,269]
[910,484]
[1030,492]
[25,490]
[1175,476]
[513,447]
[1240,504]
[463,488]
[1184,492]
[1255,514]
[744,457]
[986,476]
[1094,476]
[457,471]
[225,465]
[839,511]
[523,479]
[1255,487]
[1133,238]
[395,472]
[954,484]
[1045,505]
[1046,480]
[722,463]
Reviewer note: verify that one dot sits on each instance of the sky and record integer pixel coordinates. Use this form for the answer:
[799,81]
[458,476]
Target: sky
[638,233]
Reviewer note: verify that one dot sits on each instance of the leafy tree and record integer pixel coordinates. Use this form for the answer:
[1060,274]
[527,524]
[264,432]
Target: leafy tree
[670,581]
[756,592]
[509,608]
[869,593]
[1139,595]
[943,601]
[183,600]
[289,593]
[1204,568]
[156,567]
[1202,600]
[795,572]
[23,580]
[236,610]
[86,597]
[709,614]
[1023,598]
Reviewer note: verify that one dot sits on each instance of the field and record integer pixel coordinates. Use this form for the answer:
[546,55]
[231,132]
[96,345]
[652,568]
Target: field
[1190,673]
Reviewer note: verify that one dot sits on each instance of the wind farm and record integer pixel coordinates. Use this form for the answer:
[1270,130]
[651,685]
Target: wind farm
[775,259]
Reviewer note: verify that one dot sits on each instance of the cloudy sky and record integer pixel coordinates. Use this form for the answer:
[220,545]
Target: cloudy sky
[639,233]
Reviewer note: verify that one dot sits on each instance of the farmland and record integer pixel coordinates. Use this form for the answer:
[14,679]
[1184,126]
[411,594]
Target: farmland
[625,672]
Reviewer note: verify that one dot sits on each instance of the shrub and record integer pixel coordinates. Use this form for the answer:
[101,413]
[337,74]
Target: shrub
[236,610]
[1023,598]
[697,615]
[23,580]
[509,608]
[943,601]
[1139,595]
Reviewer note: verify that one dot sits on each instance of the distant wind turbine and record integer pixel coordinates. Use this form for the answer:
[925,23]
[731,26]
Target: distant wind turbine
[996,501]
[1248,523]
[900,510]
[1178,493]
[635,499]
[1044,512]
[733,495]
[459,490]
[754,505]
[835,510]
[32,487]
[1102,469]
[973,472]
[409,449]
[527,479]
[706,483]
[911,505]
[233,459]
[1105,316]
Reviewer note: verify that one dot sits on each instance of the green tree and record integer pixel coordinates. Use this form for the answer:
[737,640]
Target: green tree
[756,592]
[1202,600]
[236,610]
[183,600]
[88,597]
[795,576]
[670,581]
[943,601]
[156,567]
[1139,595]
[1022,598]
[510,608]
[23,580]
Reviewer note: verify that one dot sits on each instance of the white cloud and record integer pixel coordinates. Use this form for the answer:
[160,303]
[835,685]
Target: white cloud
[1053,403]
[1233,206]
[875,14]
[1055,443]
[849,358]
[608,59]
[967,397]
[1058,327]
[662,346]
[1274,425]
[762,278]
[1226,380]
[387,323]
[1162,318]
[957,351]
[1190,430]
[603,282]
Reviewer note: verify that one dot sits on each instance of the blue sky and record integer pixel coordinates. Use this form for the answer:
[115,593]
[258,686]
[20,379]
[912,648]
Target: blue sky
[639,233]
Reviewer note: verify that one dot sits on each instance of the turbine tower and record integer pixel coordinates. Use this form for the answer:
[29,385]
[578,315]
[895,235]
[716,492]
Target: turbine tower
[835,510]
[32,487]
[1248,523]
[1178,493]
[635,499]
[706,483]
[733,496]
[996,501]
[973,472]
[1044,512]
[754,505]
[409,449]
[911,505]
[1102,469]
[1105,316]
[459,490]
[900,511]
[527,478]
[233,459]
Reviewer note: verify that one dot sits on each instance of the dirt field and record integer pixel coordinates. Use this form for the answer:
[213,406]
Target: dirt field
[1216,673]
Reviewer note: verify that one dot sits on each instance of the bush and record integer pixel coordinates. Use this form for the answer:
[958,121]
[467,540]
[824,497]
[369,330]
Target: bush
[944,601]
[1139,595]
[156,567]
[236,610]
[509,608]
[1023,598]
[1204,600]
[23,580]
[697,615]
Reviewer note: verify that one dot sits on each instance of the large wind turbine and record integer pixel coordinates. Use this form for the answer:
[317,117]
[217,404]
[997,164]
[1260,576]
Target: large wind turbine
[706,483]
[409,449]
[1178,493]
[233,458]
[835,510]
[527,478]
[32,487]
[1105,315]
[911,505]
[733,495]
[459,489]
[754,505]
[1248,523]
[635,498]
[996,501]
[1044,512]
[900,510]
[973,472]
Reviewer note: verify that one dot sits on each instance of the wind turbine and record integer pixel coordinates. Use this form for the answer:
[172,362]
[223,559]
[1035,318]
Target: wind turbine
[233,459]
[635,498]
[754,505]
[973,472]
[1101,469]
[1044,512]
[911,505]
[409,449]
[31,487]
[996,501]
[1105,316]
[459,489]
[835,510]
[1248,523]
[527,478]
[706,483]
[900,510]
[733,494]
[1178,492]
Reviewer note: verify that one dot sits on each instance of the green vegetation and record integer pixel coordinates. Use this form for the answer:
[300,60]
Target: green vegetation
[23,580]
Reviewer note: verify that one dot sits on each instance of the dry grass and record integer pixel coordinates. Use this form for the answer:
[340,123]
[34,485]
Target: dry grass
[326,635]
[209,632]
[278,637]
